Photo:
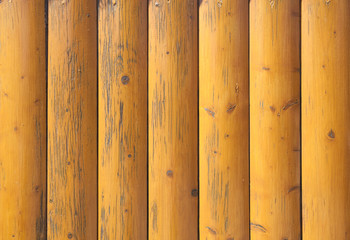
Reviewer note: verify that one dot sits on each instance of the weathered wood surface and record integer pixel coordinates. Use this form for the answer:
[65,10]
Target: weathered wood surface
[275,119]
[72,119]
[22,120]
[122,119]
[167,119]
[173,119]
[325,119]
[224,120]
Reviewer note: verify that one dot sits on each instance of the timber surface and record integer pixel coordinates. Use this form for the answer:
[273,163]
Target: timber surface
[224,120]
[275,120]
[22,120]
[325,119]
[72,120]
[122,119]
[173,119]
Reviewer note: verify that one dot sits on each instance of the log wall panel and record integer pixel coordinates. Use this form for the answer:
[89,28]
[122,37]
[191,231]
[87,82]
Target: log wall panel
[72,119]
[224,120]
[22,120]
[325,119]
[173,119]
[275,119]
[122,119]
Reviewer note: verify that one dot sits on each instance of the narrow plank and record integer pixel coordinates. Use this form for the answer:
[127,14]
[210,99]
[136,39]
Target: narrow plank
[173,120]
[275,119]
[122,119]
[72,119]
[23,120]
[224,120]
[325,119]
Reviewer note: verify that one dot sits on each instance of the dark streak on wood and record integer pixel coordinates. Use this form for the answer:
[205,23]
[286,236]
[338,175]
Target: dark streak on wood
[331,134]
[231,108]
[272,108]
[258,227]
[154,211]
[211,230]
[327,2]
[290,103]
[293,189]
[210,112]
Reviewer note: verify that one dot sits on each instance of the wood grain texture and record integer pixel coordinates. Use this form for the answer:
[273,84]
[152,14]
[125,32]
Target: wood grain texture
[23,120]
[173,120]
[122,119]
[224,120]
[72,119]
[275,119]
[325,119]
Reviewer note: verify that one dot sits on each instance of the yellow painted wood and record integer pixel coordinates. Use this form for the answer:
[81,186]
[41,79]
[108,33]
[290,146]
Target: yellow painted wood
[22,120]
[72,120]
[325,119]
[173,119]
[122,119]
[275,119]
[224,120]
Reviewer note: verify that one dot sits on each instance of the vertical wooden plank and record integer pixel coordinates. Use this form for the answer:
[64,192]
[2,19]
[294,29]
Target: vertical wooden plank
[72,119]
[23,120]
[325,119]
[275,119]
[173,117]
[224,120]
[123,119]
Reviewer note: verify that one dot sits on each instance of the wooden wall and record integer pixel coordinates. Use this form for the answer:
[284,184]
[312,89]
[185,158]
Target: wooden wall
[175,119]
